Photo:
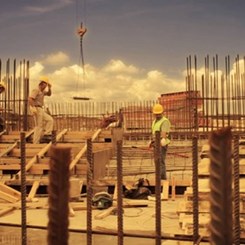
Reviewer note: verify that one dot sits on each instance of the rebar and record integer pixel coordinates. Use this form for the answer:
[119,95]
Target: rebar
[236,191]
[119,194]
[90,160]
[195,188]
[23,188]
[53,137]
[157,160]
[58,200]
[221,187]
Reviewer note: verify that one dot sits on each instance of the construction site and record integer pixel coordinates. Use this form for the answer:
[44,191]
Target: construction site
[48,189]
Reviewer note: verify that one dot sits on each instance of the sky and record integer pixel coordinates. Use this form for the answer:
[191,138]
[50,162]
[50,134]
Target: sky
[133,49]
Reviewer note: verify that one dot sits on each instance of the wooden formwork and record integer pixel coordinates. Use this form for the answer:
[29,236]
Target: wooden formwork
[37,155]
[185,209]
[137,159]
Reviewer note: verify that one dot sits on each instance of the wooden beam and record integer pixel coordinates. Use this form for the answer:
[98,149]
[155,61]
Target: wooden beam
[127,203]
[15,144]
[8,197]
[10,191]
[41,153]
[105,213]
[33,190]
[80,154]
[3,132]
[173,195]
[6,151]
[6,211]
[165,187]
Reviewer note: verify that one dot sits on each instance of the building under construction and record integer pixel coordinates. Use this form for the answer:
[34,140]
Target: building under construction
[101,147]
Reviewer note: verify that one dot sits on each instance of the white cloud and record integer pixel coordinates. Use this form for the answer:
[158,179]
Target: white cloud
[55,59]
[237,67]
[49,7]
[116,81]
[117,66]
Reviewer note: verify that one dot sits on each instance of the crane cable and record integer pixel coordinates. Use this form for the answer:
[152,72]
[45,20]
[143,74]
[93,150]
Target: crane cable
[81,31]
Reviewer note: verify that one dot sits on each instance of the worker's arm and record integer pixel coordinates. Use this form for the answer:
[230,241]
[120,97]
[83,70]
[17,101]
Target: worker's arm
[49,92]
[165,128]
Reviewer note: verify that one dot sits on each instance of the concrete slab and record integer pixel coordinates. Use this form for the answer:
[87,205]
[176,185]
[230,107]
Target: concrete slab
[134,219]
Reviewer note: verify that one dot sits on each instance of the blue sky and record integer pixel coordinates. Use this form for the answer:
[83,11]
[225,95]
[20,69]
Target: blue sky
[134,49]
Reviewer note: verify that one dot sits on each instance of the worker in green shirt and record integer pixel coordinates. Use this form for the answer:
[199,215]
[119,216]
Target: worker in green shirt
[163,125]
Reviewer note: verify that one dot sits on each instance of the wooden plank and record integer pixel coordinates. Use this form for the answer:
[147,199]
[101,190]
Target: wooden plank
[7,197]
[41,153]
[10,167]
[173,195]
[6,211]
[3,132]
[127,203]
[105,213]
[33,191]
[164,194]
[115,194]
[165,189]
[6,189]
[10,148]
[15,144]
[75,188]
[80,154]
[17,152]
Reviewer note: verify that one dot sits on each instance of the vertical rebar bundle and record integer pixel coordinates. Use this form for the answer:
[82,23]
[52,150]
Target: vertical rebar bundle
[223,93]
[221,187]
[23,187]
[14,101]
[58,189]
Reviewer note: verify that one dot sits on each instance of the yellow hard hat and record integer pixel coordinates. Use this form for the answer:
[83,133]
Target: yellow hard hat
[44,79]
[2,84]
[157,109]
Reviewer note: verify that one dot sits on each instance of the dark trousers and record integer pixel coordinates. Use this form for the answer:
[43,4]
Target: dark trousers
[1,124]
[163,162]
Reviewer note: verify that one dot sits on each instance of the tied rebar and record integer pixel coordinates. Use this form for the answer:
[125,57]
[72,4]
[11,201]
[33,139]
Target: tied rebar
[23,188]
[119,193]
[236,191]
[53,137]
[58,200]
[158,166]
[195,187]
[90,160]
[220,187]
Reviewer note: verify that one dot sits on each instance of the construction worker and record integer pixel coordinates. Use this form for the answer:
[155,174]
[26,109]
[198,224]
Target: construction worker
[2,89]
[161,124]
[43,121]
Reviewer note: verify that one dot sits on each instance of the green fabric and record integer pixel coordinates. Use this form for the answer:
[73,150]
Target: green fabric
[162,125]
